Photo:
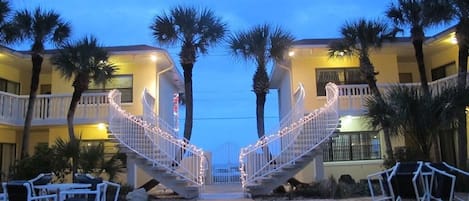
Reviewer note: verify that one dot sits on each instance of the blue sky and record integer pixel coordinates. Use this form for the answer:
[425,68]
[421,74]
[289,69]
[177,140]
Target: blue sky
[224,106]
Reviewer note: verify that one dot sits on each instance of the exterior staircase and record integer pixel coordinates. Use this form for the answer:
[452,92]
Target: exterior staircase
[173,162]
[276,158]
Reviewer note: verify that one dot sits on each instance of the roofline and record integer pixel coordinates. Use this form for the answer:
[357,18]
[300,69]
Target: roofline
[323,42]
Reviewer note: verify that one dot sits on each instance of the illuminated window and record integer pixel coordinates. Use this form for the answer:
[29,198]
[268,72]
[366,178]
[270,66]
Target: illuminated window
[349,146]
[339,76]
[123,83]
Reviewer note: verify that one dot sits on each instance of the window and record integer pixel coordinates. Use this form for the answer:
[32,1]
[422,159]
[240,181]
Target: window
[350,146]
[109,148]
[444,71]
[9,86]
[123,83]
[7,159]
[339,76]
[405,78]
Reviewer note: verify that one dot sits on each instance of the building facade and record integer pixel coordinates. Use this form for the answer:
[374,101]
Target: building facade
[139,67]
[355,148]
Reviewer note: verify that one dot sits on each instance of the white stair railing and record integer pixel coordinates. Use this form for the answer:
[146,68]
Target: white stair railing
[148,103]
[291,142]
[160,148]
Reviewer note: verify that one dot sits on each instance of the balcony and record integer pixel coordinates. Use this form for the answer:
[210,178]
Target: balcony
[352,97]
[52,109]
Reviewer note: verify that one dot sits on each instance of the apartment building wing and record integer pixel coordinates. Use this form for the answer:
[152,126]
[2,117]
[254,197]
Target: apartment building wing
[139,67]
[356,149]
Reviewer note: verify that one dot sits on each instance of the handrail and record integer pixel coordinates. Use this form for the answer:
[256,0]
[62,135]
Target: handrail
[352,97]
[154,118]
[52,108]
[159,147]
[290,142]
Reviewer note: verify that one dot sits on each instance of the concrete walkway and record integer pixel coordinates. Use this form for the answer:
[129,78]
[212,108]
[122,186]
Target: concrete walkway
[223,192]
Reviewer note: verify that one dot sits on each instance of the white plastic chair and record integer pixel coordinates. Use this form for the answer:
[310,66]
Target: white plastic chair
[382,178]
[99,194]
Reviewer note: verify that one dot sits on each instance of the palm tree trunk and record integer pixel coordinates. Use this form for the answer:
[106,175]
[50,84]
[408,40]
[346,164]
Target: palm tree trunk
[189,100]
[36,60]
[367,69]
[418,47]
[260,104]
[462,127]
[70,115]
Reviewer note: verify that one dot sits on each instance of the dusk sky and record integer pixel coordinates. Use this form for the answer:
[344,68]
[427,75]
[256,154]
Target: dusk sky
[224,105]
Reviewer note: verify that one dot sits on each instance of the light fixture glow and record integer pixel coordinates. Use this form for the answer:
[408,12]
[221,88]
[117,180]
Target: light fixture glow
[454,40]
[291,53]
[101,126]
[153,57]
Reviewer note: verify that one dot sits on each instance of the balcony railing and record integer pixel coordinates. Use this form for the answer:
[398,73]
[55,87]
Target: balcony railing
[352,97]
[52,109]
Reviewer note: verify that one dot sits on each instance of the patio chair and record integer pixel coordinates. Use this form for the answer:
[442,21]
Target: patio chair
[42,179]
[89,179]
[98,194]
[443,183]
[407,181]
[23,191]
[381,178]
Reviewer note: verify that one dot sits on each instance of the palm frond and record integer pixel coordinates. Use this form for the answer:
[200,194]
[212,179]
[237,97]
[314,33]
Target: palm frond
[280,41]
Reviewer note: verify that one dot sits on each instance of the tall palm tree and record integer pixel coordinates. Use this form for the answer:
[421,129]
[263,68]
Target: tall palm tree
[261,44]
[419,15]
[38,27]
[358,38]
[83,61]
[461,10]
[196,31]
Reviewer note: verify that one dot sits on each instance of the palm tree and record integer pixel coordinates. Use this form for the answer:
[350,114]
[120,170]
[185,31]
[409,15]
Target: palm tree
[38,27]
[261,44]
[461,10]
[419,15]
[357,39]
[4,11]
[196,30]
[419,117]
[84,61]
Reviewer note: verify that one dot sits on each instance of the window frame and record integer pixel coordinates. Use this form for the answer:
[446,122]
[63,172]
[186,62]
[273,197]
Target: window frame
[350,150]
[320,85]
[103,88]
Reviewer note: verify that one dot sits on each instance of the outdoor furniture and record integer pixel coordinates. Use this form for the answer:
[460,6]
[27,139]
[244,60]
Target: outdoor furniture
[443,181]
[23,191]
[94,181]
[382,179]
[407,180]
[42,179]
[99,194]
[55,188]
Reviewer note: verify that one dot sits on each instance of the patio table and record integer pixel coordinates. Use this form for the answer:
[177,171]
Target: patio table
[56,188]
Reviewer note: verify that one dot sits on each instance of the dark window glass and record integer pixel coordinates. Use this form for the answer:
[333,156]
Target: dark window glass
[339,76]
[353,146]
[9,86]
[123,83]
[443,71]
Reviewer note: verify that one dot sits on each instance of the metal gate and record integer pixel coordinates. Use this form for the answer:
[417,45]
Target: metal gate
[225,163]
